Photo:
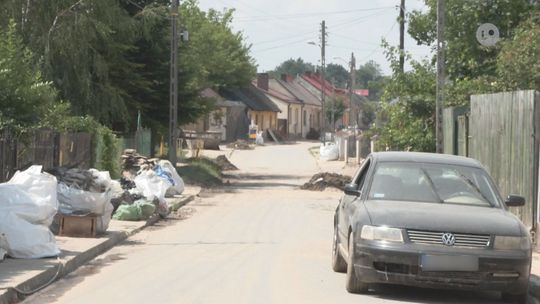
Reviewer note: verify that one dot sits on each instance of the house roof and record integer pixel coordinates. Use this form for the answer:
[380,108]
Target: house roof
[276,90]
[301,93]
[252,97]
[316,80]
[220,101]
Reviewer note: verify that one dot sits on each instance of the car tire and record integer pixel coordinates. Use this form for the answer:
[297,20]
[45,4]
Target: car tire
[519,298]
[338,262]
[353,283]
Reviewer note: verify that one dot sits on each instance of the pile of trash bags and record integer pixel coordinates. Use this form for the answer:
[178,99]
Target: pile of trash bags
[32,199]
[141,196]
[28,204]
[85,192]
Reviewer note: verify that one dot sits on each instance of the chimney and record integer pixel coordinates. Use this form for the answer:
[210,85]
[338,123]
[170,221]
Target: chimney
[287,77]
[262,81]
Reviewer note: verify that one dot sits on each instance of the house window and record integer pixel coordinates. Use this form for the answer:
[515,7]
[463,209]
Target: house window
[305,118]
[256,119]
[296,118]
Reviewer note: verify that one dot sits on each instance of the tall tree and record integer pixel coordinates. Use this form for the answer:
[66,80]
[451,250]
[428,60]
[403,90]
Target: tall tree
[406,115]
[110,58]
[293,67]
[518,62]
[465,56]
[338,75]
[24,97]
[369,76]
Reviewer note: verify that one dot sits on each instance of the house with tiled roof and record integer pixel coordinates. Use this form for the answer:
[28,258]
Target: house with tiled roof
[228,119]
[261,110]
[290,118]
[311,105]
[313,82]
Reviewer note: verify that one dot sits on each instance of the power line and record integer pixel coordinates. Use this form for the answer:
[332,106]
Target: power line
[308,15]
[352,39]
[355,20]
[377,48]
[287,38]
[281,45]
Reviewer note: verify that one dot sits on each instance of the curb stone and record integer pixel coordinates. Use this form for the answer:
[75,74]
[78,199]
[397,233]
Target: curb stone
[10,295]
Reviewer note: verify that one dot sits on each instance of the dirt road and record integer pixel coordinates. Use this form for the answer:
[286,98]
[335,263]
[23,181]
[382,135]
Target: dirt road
[261,241]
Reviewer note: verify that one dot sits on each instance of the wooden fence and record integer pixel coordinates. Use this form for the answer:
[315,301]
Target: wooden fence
[44,147]
[502,131]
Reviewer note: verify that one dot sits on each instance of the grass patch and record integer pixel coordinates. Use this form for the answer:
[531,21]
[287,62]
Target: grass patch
[201,172]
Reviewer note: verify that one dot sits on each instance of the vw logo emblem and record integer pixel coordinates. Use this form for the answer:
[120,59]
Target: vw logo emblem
[448,239]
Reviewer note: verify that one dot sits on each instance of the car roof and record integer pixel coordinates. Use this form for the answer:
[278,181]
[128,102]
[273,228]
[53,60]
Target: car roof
[425,158]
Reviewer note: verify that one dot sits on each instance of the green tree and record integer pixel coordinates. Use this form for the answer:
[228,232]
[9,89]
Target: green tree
[337,75]
[465,57]
[293,67]
[24,96]
[336,105]
[110,58]
[518,62]
[406,114]
[369,76]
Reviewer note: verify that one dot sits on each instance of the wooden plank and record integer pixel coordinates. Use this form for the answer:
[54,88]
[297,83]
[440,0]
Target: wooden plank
[273,136]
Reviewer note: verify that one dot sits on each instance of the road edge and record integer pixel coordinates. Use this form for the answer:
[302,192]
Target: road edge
[41,280]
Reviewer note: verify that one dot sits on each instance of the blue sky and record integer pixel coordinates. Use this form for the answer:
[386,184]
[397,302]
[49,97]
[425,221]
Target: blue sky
[281,29]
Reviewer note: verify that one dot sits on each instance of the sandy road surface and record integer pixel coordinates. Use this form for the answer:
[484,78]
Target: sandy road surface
[261,241]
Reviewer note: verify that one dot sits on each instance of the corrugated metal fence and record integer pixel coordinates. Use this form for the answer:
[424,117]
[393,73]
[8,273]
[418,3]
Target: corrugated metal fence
[43,147]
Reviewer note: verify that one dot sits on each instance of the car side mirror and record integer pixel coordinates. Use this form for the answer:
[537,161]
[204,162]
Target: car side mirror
[352,189]
[515,201]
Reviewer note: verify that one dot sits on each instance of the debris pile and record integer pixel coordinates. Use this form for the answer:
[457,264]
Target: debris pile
[224,163]
[133,162]
[321,181]
[81,179]
[240,145]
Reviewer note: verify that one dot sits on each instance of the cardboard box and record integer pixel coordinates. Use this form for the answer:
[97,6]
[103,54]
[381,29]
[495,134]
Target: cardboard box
[77,225]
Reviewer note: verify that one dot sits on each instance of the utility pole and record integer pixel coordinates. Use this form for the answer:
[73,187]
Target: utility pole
[440,76]
[323,82]
[173,101]
[351,85]
[402,35]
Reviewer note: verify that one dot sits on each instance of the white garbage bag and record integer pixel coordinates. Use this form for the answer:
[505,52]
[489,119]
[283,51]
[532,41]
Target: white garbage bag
[28,203]
[329,152]
[259,140]
[152,186]
[73,200]
[178,186]
[41,188]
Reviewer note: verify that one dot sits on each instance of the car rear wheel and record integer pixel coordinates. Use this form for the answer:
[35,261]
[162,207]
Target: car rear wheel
[338,262]
[353,283]
[520,298]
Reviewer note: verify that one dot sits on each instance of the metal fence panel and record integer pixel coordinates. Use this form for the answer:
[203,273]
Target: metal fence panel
[502,130]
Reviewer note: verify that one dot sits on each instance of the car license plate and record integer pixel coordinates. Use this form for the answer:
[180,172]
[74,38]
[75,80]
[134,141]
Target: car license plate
[431,262]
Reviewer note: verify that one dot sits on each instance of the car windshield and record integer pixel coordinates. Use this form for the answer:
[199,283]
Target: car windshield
[435,183]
